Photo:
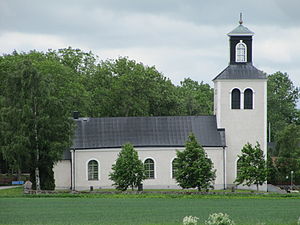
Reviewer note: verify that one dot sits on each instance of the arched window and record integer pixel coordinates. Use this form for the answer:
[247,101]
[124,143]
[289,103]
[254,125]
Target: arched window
[149,168]
[93,169]
[235,99]
[248,99]
[174,167]
[241,52]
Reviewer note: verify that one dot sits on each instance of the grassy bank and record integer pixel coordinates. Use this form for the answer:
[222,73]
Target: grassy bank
[144,211]
[65,208]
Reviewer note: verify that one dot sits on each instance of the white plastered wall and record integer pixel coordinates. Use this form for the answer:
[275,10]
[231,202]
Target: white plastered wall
[62,174]
[161,156]
[241,125]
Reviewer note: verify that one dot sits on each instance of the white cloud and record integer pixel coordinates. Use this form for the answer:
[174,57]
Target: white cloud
[10,41]
[276,44]
[180,38]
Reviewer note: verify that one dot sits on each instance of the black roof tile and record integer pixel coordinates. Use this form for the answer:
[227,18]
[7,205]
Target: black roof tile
[241,71]
[167,131]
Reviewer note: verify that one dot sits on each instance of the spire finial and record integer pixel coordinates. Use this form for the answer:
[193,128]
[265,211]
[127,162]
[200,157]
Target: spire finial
[241,19]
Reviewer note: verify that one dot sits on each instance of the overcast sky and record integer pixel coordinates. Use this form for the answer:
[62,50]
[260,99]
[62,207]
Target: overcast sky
[182,39]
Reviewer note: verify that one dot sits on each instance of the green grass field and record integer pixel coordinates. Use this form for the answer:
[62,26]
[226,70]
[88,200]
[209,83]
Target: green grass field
[107,210]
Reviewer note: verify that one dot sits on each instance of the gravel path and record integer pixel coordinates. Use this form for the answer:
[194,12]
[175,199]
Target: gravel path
[7,187]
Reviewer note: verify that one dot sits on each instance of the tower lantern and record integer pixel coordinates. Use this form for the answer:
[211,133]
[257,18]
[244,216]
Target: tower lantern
[240,44]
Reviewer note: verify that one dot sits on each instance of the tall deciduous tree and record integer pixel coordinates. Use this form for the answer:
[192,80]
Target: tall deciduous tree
[32,109]
[197,98]
[288,151]
[252,168]
[123,87]
[128,171]
[272,172]
[282,100]
[193,168]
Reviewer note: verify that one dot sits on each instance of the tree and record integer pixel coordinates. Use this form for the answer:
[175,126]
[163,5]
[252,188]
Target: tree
[36,127]
[123,87]
[252,167]
[197,99]
[193,168]
[272,176]
[288,151]
[128,171]
[282,100]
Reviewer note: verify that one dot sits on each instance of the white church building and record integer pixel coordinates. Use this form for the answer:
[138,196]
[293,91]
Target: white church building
[240,117]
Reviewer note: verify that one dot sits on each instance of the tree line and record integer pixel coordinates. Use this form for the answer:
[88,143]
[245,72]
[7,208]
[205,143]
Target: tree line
[284,130]
[40,90]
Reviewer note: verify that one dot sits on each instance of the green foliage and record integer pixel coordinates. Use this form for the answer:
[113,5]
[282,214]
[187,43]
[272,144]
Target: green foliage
[219,219]
[288,151]
[288,142]
[61,81]
[282,99]
[197,99]
[251,165]
[194,168]
[36,125]
[128,171]
[124,87]
[272,172]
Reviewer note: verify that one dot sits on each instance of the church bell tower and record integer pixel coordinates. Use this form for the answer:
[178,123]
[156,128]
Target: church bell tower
[240,100]
[240,40]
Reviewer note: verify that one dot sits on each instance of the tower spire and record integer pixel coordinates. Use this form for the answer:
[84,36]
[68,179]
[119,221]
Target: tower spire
[241,19]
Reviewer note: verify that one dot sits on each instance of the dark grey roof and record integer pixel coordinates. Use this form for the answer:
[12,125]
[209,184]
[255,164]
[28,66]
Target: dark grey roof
[167,131]
[241,31]
[241,71]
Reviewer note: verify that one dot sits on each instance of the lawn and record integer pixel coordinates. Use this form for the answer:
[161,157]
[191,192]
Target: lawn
[106,210]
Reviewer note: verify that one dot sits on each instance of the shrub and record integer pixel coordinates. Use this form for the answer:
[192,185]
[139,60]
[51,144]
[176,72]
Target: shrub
[219,219]
[128,169]
[193,167]
[190,220]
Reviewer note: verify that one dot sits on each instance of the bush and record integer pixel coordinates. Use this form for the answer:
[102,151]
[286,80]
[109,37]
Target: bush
[219,219]
[128,169]
[190,220]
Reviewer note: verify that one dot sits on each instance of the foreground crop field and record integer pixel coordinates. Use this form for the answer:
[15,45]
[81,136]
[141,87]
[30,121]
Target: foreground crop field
[144,210]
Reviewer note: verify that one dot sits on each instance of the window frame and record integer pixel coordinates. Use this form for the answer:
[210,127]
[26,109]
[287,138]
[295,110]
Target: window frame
[172,168]
[241,57]
[252,98]
[88,171]
[237,170]
[239,100]
[153,170]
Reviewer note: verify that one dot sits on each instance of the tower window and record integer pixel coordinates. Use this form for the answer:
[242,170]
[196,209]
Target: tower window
[241,52]
[248,99]
[235,99]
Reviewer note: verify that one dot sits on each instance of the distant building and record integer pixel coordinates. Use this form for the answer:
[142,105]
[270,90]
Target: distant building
[240,116]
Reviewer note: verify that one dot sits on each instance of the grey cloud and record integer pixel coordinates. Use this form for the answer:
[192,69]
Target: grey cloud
[71,17]
[124,24]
